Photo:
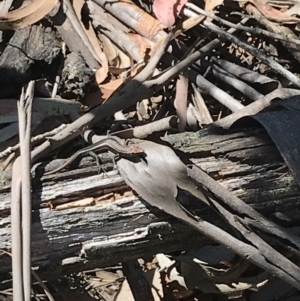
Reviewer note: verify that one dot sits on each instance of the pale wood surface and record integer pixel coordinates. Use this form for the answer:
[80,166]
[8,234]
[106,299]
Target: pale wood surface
[113,231]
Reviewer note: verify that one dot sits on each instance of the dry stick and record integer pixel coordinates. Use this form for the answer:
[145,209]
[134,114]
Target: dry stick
[43,286]
[236,83]
[217,93]
[161,125]
[73,40]
[145,130]
[256,31]
[108,26]
[70,13]
[44,136]
[25,110]
[16,244]
[36,276]
[258,255]
[255,52]
[166,77]
[256,106]
[21,264]
[133,16]
[228,201]
[128,96]
[237,206]
[243,249]
[201,106]
[275,28]
[181,100]
[247,75]
[272,255]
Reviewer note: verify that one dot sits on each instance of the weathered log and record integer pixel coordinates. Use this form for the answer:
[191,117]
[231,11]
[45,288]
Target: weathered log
[110,231]
[28,55]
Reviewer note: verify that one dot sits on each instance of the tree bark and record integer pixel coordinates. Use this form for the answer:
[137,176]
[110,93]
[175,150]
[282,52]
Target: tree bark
[113,225]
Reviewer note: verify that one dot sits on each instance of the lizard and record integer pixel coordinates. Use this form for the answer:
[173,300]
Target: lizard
[111,143]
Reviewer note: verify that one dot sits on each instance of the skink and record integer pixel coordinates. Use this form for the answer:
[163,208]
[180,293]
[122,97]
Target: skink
[111,143]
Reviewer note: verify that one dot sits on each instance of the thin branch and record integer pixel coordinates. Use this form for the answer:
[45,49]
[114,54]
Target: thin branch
[25,110]
[257,31]
[255,52]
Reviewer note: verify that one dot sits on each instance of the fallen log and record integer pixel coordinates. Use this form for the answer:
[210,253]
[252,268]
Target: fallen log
[110,225]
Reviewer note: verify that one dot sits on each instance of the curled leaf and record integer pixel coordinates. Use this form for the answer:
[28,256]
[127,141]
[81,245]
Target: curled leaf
[167,11]
[26,15]
[272,13]
[109,88]
[102,72]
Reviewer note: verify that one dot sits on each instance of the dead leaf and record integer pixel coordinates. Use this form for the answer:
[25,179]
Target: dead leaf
[102,72]
[188,24]
[272,13]
[210,5]
[116,56]
[141,42]
[109,88]
[99,76]
[137,68]
[294,10]
[167,11]
[101,95]
[108,48]
[157,45]
[27,15]
[116,71]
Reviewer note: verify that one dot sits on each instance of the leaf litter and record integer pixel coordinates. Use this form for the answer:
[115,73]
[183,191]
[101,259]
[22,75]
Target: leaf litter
[98,49]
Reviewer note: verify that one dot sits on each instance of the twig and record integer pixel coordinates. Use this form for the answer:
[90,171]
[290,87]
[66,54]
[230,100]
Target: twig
[276,28]
[116,103]
[201,106]
[181,99]
[25,110]
[146,130]
[221,96]
[256,106]
[36,276]
[256,31]
[247,75]
[70,13]
[37,138]
[21,262]
[43,286]
[108,25]
[237,84]
[16,243]
[134,17]
[73,40]
[167,76]
[262,254]
[254,51]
